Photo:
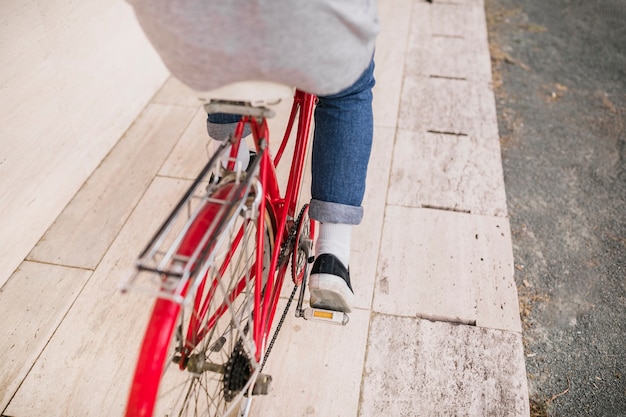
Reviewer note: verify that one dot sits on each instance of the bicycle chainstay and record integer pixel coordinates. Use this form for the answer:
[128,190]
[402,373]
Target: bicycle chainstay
[286,250]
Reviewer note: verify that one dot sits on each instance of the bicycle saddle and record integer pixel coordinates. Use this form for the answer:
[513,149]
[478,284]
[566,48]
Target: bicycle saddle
[256,93]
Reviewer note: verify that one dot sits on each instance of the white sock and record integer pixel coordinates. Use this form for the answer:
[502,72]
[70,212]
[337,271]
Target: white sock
[334,238]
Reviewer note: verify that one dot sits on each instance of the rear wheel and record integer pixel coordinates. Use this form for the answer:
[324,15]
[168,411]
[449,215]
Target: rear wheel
[200,360]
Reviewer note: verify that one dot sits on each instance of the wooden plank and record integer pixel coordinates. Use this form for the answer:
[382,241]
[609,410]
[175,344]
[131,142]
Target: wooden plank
[32,305]
[316,368]
[420,368]
[446,56]
[451,18]
[424,268]
[83,232]
[450,172]
[86,367]
[447,266]
[395,18]
[449,106]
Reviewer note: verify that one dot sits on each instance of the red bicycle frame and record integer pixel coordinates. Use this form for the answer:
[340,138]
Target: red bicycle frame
[283,208]
[282,213]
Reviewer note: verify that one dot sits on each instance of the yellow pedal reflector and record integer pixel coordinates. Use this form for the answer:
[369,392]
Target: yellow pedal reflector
[327,316]
[322,314]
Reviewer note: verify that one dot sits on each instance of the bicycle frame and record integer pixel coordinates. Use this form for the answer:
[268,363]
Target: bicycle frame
[181,258]
[283,208]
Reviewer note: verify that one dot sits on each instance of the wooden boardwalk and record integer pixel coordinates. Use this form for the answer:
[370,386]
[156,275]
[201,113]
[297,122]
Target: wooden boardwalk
[436,330]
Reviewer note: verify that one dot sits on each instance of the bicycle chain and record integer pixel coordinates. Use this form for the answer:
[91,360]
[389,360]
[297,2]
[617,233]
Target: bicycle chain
[288,243]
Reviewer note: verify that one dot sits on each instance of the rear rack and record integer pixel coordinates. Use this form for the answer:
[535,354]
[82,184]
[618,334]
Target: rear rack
[159,270]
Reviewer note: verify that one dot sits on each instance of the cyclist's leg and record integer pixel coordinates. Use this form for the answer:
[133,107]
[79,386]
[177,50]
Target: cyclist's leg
[341,150]
[220,126]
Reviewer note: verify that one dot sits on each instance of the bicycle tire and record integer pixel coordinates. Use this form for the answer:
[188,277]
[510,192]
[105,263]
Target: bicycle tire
[226,348]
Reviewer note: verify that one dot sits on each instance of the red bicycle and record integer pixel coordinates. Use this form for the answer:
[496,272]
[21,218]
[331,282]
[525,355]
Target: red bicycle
[218,264]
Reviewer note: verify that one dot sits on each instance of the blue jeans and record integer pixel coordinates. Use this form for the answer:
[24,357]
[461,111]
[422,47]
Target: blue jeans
[342,144]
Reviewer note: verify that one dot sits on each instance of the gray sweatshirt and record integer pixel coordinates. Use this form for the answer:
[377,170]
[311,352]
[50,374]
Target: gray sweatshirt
[319,46]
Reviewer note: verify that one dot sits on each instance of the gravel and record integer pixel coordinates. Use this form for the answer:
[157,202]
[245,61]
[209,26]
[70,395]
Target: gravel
[560,80]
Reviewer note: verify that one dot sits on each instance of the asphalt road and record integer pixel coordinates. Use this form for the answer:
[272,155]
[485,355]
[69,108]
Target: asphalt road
[560,76]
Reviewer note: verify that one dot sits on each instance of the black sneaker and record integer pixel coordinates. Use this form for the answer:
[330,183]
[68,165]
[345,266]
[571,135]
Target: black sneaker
[329,285]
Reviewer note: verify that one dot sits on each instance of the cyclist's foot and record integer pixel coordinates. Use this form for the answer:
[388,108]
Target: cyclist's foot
[214,179]
[329,284]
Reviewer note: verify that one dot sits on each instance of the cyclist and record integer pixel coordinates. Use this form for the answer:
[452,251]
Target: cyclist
[324,47]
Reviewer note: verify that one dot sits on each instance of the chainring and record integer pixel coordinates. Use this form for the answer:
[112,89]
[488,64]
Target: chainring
[302,245]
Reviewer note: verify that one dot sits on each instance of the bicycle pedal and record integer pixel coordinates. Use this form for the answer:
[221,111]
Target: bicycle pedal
[326,316]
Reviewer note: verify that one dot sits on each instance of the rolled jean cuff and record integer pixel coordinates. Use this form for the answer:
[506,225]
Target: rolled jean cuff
[221,126]
[327,212]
